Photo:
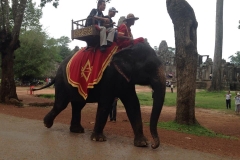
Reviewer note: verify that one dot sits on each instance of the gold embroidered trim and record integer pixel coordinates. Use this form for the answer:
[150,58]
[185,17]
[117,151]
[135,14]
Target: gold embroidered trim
[95,81]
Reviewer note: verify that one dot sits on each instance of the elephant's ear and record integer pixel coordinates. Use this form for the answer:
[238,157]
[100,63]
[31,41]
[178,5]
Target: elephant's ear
[123,62]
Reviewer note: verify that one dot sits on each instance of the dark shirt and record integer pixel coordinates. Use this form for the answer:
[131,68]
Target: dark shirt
[93,13]
[114,103]
[111,21]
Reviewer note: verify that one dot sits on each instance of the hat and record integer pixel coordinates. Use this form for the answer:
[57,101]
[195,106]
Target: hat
[131,16]
[113,9]
[238,94]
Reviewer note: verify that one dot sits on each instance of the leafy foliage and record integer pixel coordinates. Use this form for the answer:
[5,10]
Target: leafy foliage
[235,59]
[31,17]
[55,3]
[39,55]
[9,41]
[35,55]
[64,50]
[173,50]
[192,129]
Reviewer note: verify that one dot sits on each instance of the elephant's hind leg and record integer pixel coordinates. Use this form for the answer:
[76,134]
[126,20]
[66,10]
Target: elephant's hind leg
[59,105]
[76,126]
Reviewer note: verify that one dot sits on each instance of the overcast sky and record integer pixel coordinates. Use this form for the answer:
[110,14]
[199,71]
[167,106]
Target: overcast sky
[154,22]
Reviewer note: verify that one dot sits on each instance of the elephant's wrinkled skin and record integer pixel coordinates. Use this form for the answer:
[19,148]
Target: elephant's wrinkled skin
[140,65]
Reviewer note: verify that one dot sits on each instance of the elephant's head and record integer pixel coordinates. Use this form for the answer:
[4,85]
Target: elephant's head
[140,65]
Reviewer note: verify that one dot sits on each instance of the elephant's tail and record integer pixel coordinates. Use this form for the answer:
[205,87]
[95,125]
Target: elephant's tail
[48,85]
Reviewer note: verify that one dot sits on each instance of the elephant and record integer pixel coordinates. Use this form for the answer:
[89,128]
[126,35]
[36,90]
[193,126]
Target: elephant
[136,65]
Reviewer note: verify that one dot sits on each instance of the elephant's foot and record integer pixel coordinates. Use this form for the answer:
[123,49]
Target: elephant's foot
[98,137]
[140,141]
[48,121]
[76,129]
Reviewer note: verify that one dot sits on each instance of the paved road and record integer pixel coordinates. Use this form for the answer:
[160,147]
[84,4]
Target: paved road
[25,139]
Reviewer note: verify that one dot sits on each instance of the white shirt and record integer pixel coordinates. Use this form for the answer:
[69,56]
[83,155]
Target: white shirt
[228,96]
[237,100]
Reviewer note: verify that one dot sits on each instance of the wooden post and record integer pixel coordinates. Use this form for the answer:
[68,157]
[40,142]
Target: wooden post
[72,30]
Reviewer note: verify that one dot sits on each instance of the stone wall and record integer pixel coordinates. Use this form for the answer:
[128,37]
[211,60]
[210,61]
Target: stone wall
[230,74]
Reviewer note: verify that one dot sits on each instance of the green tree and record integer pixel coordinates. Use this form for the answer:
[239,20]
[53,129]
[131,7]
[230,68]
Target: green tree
[171,49]
[9,42]
[32,16]
[64,50]
[76,48]
[37,55]
[55,2]
[39,52]
[235,59]
[217,60]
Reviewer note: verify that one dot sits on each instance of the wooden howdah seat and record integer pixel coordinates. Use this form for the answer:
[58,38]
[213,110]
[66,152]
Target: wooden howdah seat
[88,34]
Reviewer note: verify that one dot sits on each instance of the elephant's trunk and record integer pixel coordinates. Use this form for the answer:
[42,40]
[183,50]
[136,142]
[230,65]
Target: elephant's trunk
[159,89]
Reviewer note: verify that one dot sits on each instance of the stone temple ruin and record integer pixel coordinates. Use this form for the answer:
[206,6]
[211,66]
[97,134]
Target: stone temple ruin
[230,72]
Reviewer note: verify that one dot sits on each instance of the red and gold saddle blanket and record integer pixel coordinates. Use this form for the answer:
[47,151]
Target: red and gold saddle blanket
[86,67]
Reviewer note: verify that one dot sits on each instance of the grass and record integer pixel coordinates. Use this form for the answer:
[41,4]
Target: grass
[145,98]
[211,100]
[191,129]
[50,96]
[204,99]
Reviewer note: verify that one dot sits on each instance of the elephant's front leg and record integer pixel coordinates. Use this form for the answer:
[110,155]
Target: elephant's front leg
[132,106]
[101,120]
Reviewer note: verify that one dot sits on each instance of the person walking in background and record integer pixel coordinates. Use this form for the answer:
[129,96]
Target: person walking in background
[113,112]
[49,80]
[172,88]
[237,103]
[46,80]
[228,100]
[210,76]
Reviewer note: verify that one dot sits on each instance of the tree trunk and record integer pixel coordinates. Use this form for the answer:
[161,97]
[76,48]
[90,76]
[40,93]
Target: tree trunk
[9,42]
[185,25]
[8,87]
[217,60]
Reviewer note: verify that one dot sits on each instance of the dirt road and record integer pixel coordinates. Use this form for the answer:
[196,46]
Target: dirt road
[26,139]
